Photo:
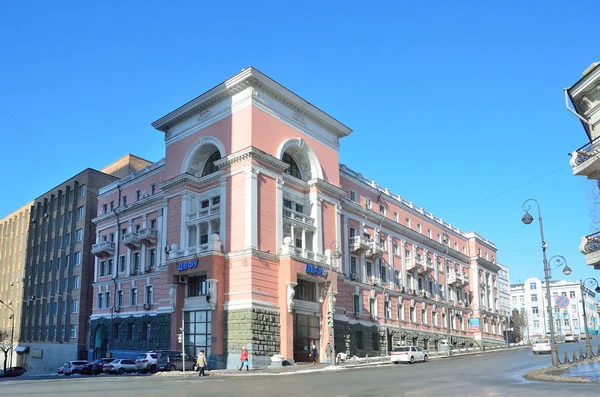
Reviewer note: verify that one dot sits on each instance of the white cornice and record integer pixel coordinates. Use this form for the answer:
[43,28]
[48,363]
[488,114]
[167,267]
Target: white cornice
[251,153]
[136,205]
[586,84]
[251,77]
[191,179]
[299,183]
[327,187]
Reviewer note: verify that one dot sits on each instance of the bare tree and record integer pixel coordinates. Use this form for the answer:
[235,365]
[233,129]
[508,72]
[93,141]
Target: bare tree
[5,346]
[519,323]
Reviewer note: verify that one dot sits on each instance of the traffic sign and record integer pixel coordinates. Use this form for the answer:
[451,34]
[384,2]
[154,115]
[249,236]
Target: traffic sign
[562,301]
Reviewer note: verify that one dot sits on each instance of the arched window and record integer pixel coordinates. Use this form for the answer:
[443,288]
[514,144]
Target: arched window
[293,169]
[209,166]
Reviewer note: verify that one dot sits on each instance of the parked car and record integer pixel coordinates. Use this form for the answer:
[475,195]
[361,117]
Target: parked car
[73,367]
[541,346]
[13,371]
[119,366]
[95,367]
[408,354]
[570,337]
[59,371]
[582,336]
[168,360]
[146,362]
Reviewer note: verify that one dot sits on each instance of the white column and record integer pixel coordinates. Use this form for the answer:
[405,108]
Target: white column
[143,259]
[251,232]
[144,221]
[279,213]
[95,258]
[160,244]
[116,255]
[223,213]
[292,235]
[317,214]
[403,265]
[185,205]
[197,236]
[304,239]
[391,269]
[338,232]
[345,249]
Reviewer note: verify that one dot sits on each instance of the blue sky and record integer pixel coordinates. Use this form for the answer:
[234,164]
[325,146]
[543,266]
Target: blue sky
[464,99]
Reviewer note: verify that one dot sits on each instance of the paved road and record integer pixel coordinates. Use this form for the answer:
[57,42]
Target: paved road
[494,374]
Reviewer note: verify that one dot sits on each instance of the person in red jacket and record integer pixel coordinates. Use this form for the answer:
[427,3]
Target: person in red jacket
[244,358]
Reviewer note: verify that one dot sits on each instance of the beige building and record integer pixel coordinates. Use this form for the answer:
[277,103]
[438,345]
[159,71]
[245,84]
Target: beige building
[13,243]
[584,96]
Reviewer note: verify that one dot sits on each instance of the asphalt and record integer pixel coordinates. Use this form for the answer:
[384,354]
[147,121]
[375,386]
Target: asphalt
[494,374]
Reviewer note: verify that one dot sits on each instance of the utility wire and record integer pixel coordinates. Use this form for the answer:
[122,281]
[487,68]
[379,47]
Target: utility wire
[14,122]
[511,189]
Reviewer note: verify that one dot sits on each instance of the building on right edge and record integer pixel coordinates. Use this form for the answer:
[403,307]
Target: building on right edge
[584,95]
[529,299]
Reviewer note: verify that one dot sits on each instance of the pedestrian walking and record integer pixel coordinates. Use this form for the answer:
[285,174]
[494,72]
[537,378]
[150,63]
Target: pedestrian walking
[329,352]
[201,363]
[313,353]
[244,358]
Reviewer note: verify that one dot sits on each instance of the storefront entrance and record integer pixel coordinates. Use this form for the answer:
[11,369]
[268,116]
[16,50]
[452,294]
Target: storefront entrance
[306,332]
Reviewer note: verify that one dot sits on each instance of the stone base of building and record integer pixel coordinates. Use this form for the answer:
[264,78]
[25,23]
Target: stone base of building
[132,334]
[257,329]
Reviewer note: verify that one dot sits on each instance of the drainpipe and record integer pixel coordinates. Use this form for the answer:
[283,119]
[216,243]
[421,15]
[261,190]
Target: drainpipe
[116,264]
[586,121]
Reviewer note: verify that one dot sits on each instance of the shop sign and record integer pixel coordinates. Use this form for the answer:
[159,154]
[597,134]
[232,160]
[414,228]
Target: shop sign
[474,325]
[315,270]
[36,353]
[187,265]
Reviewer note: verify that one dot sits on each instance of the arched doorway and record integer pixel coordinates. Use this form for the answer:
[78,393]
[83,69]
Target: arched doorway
[100,342]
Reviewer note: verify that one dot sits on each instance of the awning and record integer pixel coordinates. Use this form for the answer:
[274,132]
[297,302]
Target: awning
[21,349]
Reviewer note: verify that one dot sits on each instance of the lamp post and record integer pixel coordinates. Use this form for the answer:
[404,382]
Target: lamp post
[12,331]
[590,281]
[446,241]
[527,219]
[334,255]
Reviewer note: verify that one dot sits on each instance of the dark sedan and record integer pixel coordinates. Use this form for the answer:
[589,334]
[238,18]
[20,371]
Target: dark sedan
[13,371]
[95,367]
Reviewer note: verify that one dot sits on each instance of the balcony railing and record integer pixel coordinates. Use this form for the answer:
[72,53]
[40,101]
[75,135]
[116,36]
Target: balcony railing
[130,240]
[590,243]
[455,278]
[586,152]
[147,235]
[103,249]
[298,217]
[375,248]
[203,213]
[313,256]
[358,243]
[412,263]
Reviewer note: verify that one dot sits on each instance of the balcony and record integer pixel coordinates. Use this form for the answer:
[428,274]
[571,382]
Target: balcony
[310,255]
[413,263]
[590,246]
[130,240]
[202,213]
[358,243]
[375,249]
[298,218]
[455,278]
[465,279]
[584,160]
[103,249]
[147,236]
[429,265]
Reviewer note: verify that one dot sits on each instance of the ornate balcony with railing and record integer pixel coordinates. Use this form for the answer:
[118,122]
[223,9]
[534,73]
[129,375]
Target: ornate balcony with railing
[590,246]
[375,248]
[147,236]
[202,213]
[455,278]
[298,218]
[130,239]
[310,255]
[358,243]
[103,249]
[585,160]
[412,263]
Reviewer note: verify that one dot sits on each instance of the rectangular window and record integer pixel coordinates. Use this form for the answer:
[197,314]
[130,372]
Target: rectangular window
[535,310]
[407,222]
[133,295]
[67,261]
[109,267]
[80,213]
[396,249]
[102,268]
[108,303]
[395,216]
[571,294]
[147,329]
[70,217]
[429,233]
[153,224]
[78,235]
[400,311]
[536,323]
[381,209]
[120,298]
[353,265]
[413,315]
[372,306]
[124,201]
[534,298]
[68,239]
[367,203]
[419,227]
[424,316]
[369,270]
[196,286]
[100,303]
[148,294]
[73,332]
[130,331]
[153,188]
[138,195]
[75,282]
[122,263]
[74,306]
[151,257]
[357,305]
[81,191]
[352,195]
[66,284]
[136,261]
[532,286]
[77,258]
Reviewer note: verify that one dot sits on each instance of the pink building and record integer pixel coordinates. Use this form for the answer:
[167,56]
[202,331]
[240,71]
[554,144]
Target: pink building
[249,228]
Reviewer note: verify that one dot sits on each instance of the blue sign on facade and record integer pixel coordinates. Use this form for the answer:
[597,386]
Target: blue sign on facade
[318,271]
[475,325]
[187,265]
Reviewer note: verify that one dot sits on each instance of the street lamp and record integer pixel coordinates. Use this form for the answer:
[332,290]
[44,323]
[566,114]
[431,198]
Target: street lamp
[446,241]
[334,254]
[12,331]
[590,281]
[527,219]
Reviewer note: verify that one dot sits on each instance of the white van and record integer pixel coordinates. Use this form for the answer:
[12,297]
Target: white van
[570,337]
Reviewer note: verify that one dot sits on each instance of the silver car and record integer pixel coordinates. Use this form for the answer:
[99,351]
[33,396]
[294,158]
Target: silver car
[146,362]
[120,366]
[73,367]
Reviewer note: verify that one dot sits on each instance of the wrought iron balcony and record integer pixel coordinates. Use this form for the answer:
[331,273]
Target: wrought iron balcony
[583,160]
[358,243]
[590,246]
[147,236]
[412,263]
[103,249]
